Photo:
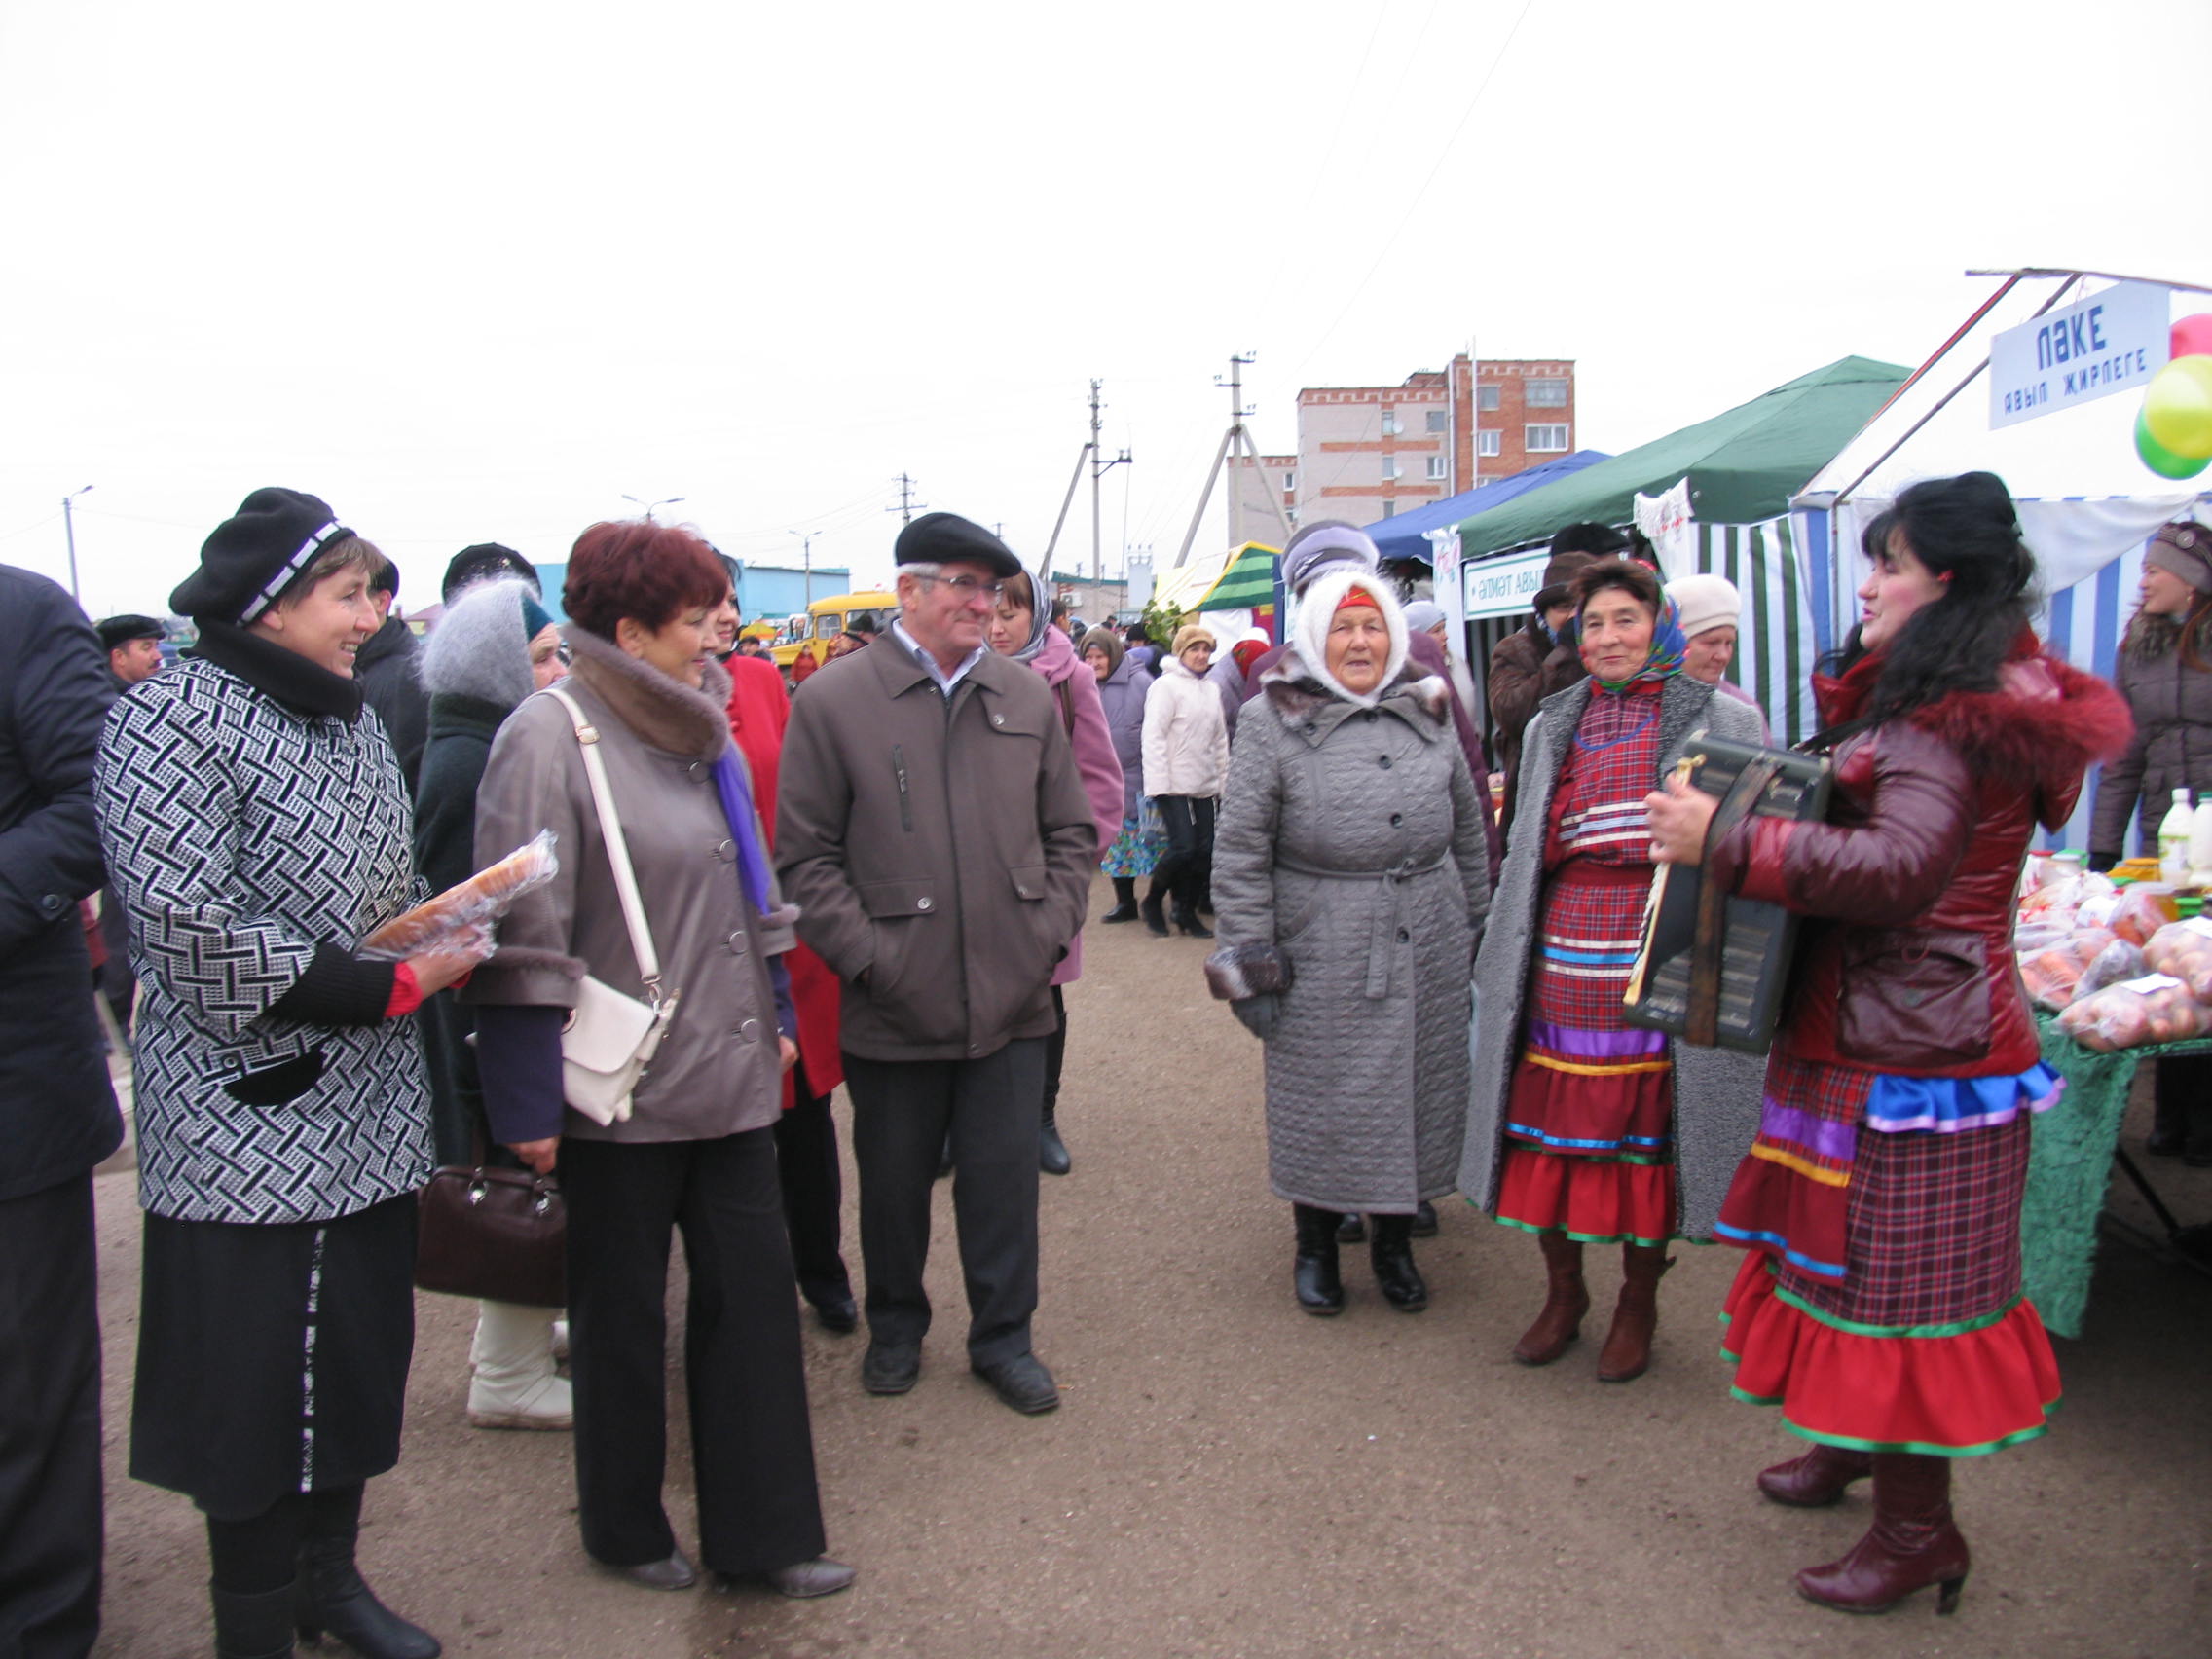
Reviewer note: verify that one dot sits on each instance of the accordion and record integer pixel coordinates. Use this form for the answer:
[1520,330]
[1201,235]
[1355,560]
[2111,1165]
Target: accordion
[1713,966]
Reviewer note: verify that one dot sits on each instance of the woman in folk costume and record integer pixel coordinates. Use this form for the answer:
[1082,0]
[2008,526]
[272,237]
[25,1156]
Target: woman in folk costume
[1880,1305]
[1583,1130]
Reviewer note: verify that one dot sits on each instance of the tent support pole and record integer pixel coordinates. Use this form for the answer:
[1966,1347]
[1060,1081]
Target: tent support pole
[1972,375]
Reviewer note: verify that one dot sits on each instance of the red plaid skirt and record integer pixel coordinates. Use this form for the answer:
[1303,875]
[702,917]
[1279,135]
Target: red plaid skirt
[1926,1344]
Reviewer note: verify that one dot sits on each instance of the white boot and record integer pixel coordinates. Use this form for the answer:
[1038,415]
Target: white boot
[514,1384]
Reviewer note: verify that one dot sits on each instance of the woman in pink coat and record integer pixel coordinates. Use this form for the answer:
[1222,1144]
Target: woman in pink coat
[1021,629]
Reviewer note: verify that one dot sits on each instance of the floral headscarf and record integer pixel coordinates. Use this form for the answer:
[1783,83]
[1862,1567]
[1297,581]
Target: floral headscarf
[1667,647]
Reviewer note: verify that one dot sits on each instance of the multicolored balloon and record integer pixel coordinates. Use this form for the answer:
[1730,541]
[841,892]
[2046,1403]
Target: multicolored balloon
[2177,407]
[2193,336]
[2161,459]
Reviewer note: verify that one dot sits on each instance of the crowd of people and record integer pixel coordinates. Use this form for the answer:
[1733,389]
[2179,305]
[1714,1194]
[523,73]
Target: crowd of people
[878,880]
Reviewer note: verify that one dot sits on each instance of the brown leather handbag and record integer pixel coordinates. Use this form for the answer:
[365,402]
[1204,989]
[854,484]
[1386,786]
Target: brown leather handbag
[494,1233]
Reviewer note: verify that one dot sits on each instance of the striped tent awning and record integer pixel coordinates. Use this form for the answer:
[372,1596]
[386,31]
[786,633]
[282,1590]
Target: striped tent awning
[1776,644]
[1240,579]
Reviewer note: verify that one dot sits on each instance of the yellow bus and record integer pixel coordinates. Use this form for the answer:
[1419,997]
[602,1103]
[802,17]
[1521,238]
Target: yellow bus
[824,621]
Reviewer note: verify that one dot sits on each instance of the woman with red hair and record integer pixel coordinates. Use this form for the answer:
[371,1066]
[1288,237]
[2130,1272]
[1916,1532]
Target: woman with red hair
[697,1150]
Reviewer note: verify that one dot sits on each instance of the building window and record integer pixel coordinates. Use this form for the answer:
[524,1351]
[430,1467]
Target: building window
[1485,398]
[1543,440]
[1390,423]
[1546,394]
[1289,481]
[1435,467]
[1439,420]
[1389,510]
[1485,443]
[1390,468]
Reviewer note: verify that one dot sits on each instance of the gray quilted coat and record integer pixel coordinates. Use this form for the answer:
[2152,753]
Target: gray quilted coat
[1717,1091]
[1352,840]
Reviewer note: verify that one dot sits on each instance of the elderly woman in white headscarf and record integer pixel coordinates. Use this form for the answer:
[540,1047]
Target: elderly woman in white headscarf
[1711,609]
[1350,883]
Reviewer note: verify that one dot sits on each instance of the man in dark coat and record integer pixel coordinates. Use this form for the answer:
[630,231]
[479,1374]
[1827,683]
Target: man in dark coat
[391,678]
[57,1120]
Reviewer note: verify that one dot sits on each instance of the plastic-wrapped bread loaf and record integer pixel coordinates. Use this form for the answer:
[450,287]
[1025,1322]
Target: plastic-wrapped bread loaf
[460,917]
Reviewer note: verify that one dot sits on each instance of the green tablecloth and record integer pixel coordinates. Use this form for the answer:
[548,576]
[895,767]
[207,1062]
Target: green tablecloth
[2070,1168]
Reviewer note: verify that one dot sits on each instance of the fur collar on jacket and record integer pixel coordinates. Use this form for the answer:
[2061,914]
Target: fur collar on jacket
[664,713]
[1309,632]
[1303,703]
[2046,719]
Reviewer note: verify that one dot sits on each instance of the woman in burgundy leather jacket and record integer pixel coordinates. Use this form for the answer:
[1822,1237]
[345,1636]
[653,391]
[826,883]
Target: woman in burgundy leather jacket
[1880,1305]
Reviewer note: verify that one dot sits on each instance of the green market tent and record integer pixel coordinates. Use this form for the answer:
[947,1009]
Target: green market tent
[1743,465]
[1240,579]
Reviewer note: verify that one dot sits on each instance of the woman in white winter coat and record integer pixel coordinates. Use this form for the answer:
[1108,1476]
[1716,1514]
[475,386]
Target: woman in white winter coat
[1185,762]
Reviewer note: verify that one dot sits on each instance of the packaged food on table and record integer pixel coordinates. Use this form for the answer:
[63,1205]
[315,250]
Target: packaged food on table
[460,918]
[2184,949]
[2142,910]
[2155,1008]
[2121,959]
[2052,971]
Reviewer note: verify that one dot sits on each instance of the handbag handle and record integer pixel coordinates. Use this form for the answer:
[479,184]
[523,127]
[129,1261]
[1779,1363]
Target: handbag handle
[617,846]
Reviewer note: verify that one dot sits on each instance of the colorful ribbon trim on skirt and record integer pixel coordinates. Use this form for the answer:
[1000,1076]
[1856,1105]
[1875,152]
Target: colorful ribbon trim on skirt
[1791,1194]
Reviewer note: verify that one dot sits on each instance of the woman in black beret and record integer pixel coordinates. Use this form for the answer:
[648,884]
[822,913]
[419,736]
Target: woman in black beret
[256,829]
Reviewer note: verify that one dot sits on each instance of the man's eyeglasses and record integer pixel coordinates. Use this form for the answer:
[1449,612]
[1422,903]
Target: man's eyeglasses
[968,588]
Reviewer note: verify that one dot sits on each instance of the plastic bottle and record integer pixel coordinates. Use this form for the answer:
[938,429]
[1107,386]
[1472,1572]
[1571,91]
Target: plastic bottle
[2200,847]
[2174,831]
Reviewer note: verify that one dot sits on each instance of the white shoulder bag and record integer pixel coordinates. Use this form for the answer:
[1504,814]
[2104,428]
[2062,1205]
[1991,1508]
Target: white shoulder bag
[611,1037]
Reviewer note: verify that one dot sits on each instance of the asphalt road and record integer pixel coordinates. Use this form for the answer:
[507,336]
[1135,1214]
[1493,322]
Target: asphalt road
[1228,1476]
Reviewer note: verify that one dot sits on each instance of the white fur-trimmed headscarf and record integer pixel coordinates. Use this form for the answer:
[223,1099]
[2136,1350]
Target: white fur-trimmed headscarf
[1317,608]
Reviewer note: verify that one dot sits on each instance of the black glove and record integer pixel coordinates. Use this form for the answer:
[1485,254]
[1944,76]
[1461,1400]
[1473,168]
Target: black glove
[1260,1016]
[2102,861]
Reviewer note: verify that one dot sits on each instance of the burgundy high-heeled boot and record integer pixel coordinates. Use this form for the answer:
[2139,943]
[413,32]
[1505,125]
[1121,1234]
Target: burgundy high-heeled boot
[1911,1546]
[1817,1479]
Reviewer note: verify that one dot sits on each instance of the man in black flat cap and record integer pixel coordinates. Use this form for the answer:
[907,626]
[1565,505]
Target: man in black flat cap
[932,828]
[133,648]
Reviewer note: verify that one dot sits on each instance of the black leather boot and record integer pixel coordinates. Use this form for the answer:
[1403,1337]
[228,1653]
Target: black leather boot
[1313,1273]
[1153,909]
[1390,1248]
[332,1597]
[1125,901]
[253,1627]
[1052,1151]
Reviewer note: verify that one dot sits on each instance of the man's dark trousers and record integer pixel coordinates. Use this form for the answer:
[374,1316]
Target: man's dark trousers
[49,1424]
[903,1112]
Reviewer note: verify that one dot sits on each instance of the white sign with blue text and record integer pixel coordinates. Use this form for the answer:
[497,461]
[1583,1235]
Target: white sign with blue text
[1502,587]
[2112,341]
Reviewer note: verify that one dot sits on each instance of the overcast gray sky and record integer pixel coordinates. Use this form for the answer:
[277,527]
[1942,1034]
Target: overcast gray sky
[476,271]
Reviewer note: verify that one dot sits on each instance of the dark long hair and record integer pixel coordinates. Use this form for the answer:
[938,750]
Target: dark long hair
[1965,528]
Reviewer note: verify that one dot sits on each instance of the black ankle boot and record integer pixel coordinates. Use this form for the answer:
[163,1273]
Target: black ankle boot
[253,1627]
[1052,1151]
[332,1597]
[1187,919]
[1313,1273]
[1125,901]
[1155,917]
[1390,1248]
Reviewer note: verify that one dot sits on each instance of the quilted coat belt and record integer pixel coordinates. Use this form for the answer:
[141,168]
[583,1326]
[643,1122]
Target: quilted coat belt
[1385,918]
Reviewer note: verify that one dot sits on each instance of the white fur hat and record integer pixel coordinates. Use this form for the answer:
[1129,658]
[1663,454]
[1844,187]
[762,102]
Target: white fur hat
[1706,602]
[1317,608]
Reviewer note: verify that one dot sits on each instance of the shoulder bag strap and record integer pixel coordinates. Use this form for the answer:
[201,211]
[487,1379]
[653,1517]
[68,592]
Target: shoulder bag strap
[617,846]
[1067,706]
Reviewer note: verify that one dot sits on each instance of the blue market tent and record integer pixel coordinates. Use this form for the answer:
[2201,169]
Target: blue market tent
[1405,536]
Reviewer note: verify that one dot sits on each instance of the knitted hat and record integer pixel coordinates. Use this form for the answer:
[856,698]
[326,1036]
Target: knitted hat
[484,562]
[1706,602]
[2183,549]
[1192,634]
[122,630]
[257,553]
[938,538]
[535,618]
[1326,545]
[1423,614]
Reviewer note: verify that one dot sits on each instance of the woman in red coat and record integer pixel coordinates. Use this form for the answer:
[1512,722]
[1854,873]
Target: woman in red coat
[1880,1304]
[806,1135]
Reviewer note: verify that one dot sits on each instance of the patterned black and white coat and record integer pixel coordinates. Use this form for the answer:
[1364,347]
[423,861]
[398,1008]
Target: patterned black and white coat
[241,833]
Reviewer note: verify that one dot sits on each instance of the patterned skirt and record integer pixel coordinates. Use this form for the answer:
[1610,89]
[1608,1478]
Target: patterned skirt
[1589,1131]
[1137,848]
[1925,1343]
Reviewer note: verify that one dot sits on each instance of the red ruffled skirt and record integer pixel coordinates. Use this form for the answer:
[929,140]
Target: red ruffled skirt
[1943,1390]
[1589,1119]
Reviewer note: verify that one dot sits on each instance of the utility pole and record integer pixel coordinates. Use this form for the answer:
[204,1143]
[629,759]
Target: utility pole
[1237,414]
[1235,442]
[69,532]
[806,554]
[906,503]
[1089,456]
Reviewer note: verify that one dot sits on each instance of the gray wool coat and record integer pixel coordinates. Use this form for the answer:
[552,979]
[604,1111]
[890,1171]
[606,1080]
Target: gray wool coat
[1352,841]
[1717,1091]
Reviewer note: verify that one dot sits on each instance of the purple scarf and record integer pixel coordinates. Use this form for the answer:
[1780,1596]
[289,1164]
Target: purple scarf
[743,829]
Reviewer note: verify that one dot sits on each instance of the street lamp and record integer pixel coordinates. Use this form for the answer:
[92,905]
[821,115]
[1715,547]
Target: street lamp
[649,506]
[69,531]
[806,555]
